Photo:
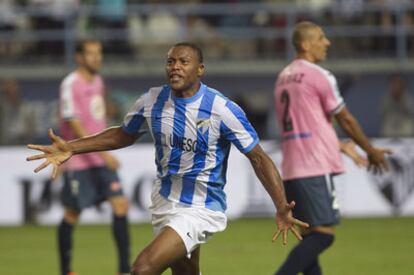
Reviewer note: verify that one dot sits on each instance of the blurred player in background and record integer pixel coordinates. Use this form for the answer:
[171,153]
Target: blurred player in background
[193,127]
[397,109]
[90,178]
[16,115]
[307,98]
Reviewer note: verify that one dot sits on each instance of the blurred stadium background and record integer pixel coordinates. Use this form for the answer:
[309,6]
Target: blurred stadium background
[245,43]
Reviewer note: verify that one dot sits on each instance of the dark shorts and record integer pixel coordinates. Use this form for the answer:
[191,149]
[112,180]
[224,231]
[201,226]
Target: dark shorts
[89,187]
[315,198]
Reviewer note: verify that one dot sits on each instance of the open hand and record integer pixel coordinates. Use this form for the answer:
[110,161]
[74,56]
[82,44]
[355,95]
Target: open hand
[56,153]
[285,222]
[377,161]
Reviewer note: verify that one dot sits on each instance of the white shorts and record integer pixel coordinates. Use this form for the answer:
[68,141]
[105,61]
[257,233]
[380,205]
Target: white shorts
[193,225]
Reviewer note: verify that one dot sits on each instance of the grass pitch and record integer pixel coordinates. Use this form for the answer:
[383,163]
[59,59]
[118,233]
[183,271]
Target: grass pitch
[362,246]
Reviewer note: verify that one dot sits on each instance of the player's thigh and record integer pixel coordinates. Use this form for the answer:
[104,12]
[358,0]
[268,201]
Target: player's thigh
[315,199]
[119,205]
[71,215]
[187,265]
[162,252]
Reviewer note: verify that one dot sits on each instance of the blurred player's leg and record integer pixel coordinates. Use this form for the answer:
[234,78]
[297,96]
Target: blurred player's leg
[304,255]
[120,231]
[65,232]
[318,207]
[313,269]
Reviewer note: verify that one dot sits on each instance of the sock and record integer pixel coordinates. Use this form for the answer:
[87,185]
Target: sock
[121,235]
[65,246]
[305,254]
[313,269]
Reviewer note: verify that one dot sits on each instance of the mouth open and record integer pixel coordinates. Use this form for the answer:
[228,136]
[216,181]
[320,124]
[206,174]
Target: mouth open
[175,77]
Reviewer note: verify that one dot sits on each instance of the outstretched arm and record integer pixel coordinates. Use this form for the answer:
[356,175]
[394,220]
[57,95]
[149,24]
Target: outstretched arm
[79,131]
[376,156]
[269,176]
[60,150]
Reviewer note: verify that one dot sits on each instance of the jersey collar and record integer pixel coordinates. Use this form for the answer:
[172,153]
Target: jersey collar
[187,100]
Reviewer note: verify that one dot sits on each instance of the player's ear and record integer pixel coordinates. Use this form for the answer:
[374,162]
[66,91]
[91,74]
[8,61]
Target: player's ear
[201,70]
[305,45]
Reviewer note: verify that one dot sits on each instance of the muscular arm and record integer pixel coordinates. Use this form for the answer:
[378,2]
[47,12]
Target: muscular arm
[109,139]
[79,131]
[352,128]
[376,156]
[60,150]
[269,176]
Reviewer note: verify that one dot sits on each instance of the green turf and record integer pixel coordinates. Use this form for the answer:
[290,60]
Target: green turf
[362,246]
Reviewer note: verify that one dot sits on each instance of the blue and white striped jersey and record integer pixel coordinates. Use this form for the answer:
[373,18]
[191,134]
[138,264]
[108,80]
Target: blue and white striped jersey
[192,139]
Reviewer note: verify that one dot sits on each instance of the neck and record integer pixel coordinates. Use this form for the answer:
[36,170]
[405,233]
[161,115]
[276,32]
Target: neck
[187,92]
[306,56]
[86,74]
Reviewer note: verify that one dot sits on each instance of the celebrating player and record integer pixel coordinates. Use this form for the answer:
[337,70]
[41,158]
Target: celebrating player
[193,127]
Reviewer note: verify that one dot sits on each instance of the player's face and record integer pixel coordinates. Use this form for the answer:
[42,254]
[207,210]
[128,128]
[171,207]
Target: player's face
[183,69]
[318,44]
[91,57]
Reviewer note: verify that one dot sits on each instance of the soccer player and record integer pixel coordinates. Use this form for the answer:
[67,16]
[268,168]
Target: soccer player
[192,126]
[307,98]
[91,178]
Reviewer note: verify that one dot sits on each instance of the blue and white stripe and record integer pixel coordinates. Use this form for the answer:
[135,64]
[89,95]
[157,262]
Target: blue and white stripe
[192,137]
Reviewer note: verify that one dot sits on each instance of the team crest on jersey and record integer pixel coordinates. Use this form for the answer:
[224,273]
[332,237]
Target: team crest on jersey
[203,125]
[97,107]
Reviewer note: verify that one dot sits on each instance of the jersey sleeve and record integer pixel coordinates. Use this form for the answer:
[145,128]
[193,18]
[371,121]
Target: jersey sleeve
[69,108]
[134,121]
[329,94]
[236,128]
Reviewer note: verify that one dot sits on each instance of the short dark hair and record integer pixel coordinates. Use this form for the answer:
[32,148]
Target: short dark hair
[300,33]
[193,46]
[80,44]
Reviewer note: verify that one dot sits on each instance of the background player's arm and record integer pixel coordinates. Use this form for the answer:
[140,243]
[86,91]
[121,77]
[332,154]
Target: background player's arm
[350,125]
[269,176]
[79,131]
[76,127]
[60,150]
[348,147]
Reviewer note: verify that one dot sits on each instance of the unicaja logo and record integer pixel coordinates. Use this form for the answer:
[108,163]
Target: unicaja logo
[397,185]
